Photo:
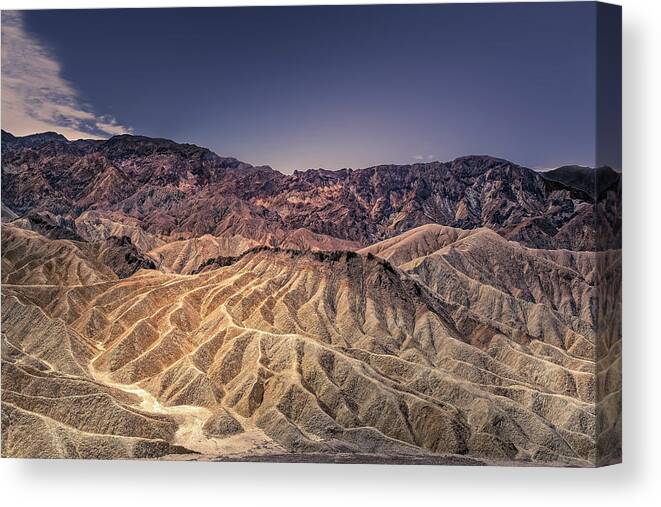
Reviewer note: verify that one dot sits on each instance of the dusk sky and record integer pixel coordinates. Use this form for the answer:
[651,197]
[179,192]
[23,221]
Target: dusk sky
[308,87]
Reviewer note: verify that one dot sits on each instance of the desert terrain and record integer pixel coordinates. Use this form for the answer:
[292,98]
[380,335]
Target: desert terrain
[160,301]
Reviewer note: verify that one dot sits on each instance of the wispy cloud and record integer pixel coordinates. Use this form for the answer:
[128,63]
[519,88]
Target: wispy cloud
[35,97]
[423,157]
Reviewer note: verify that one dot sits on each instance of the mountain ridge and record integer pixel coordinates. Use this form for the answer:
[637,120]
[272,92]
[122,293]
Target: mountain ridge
[185,191]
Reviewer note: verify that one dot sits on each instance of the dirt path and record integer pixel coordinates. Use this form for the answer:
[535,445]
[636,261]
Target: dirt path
[190,420]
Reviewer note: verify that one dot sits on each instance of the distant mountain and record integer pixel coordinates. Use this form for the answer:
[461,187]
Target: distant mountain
[11,142]
[586,179]
[182,191]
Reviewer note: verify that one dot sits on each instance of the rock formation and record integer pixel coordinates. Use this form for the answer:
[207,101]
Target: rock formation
[161,301]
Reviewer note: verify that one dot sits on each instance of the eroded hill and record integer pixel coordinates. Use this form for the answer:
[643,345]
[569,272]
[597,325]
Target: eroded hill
[160,301]
[293,351]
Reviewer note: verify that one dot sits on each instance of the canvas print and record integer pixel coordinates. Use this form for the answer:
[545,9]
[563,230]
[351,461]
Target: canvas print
[346,234]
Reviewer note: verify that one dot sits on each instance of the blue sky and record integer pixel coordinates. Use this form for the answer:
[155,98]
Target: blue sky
[306,87]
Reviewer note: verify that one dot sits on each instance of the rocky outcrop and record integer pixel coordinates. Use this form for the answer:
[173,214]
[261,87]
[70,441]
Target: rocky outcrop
[120,255]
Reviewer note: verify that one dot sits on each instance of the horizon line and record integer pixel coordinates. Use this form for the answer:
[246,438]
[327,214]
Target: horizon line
[536,169]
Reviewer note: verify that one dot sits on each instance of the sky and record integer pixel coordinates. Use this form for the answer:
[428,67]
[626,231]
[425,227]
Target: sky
[309,87]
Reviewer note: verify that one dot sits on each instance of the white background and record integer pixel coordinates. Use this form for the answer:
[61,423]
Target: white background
[636,482]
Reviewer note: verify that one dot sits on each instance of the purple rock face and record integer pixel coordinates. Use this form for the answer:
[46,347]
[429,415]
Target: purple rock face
[181,190]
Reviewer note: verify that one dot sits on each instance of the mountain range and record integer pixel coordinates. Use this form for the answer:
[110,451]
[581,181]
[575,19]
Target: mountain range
[162,301]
